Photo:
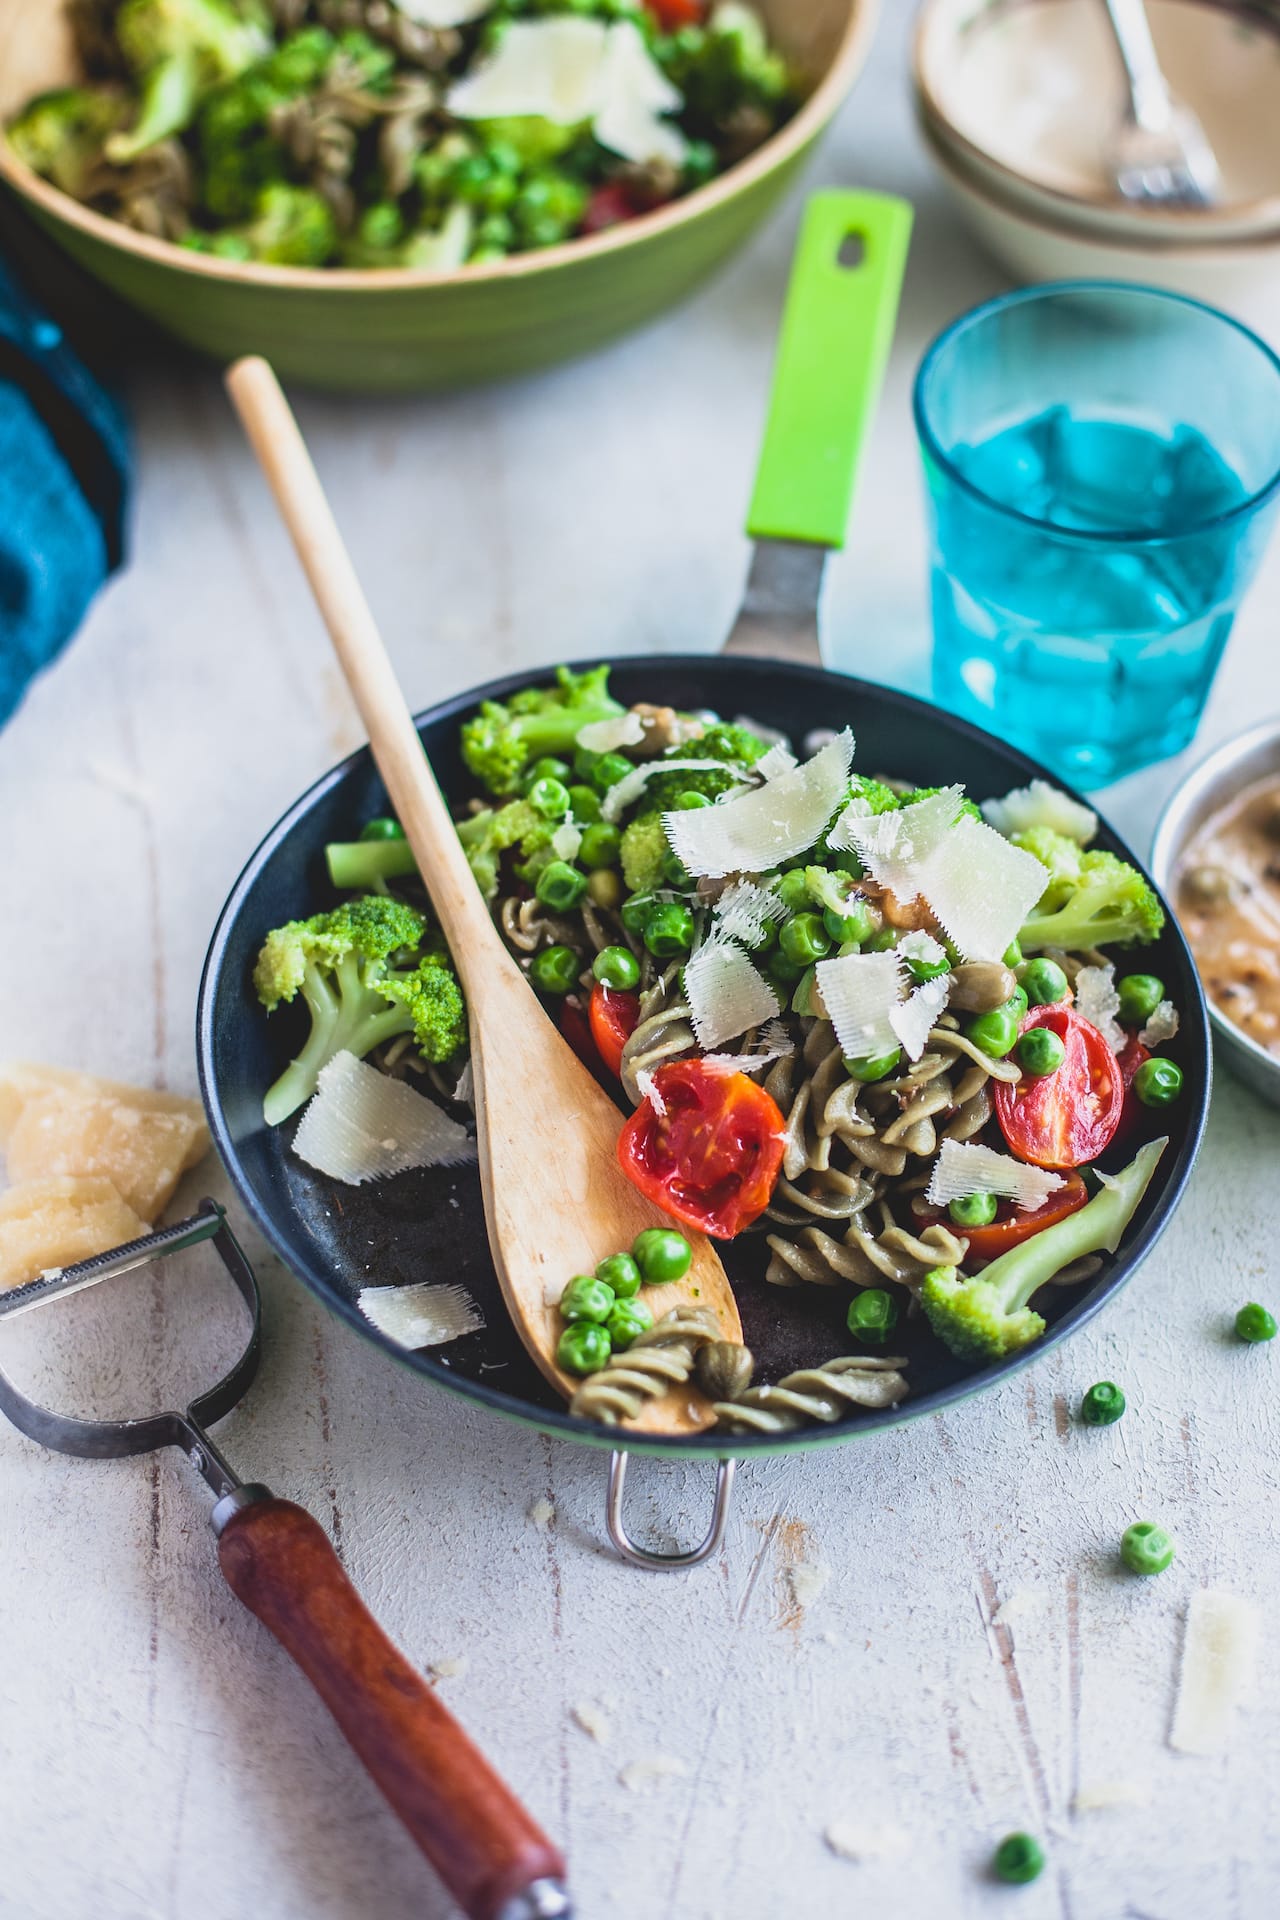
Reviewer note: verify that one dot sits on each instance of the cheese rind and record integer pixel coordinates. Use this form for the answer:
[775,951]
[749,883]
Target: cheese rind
[55,1123]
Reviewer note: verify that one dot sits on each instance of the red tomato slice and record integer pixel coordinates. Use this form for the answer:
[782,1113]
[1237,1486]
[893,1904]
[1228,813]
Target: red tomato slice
[1130,1058]
[608,206]
[1067,1118]
[671,15]
[573,1025]
[712,1159]
[1014,1226]
[614,1017]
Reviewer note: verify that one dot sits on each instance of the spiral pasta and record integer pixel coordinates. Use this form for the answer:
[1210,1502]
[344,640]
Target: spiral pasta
[658,1360]
[815,1394]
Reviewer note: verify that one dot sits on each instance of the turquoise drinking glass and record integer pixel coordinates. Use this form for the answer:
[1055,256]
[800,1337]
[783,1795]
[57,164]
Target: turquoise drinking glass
[1103,472]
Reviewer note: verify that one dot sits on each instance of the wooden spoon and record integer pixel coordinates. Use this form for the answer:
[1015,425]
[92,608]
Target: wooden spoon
[555,1199]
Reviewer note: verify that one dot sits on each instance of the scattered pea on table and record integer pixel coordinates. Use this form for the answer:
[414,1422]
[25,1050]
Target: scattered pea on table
[1254,1323]
[1018,1859]
[1146,1547]
[1102,1405]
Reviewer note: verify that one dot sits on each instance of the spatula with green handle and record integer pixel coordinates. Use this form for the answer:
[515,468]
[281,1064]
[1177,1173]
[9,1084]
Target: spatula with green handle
[837,329]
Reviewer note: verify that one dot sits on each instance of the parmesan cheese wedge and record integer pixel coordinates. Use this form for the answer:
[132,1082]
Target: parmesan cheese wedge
[49,1224]
[962,1168]
[363,1125]
[550,68]
[634,94]
[1219,1658]
[754,831]
[55,1123]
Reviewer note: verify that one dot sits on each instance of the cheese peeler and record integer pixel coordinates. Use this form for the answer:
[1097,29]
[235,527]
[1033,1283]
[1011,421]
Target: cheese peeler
[495,1861]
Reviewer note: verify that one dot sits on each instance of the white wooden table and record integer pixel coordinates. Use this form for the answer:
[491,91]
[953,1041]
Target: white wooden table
[160,1756]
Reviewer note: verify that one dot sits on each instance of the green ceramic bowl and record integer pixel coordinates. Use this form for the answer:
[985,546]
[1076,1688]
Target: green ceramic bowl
[399,329]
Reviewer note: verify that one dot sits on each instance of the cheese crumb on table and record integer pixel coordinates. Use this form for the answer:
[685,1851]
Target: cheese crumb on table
[651,1774]
[860,1840]
[593,1721]
[1219,1657]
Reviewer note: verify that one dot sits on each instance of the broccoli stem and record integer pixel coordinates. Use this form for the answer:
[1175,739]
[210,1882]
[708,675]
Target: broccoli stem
[169,95]
[355,1019]
[360,864]
[1097,1227]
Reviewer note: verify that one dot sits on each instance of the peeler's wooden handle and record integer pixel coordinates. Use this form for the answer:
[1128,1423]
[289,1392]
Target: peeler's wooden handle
[471,1827]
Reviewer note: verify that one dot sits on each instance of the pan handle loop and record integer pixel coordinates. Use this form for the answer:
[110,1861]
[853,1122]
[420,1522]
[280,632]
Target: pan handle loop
[666,1562]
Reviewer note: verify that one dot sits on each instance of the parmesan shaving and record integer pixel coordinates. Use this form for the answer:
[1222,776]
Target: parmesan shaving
[634,94]
[745,912]
[980,888]
[627,791]
[726,994]
[1024,1603]
[893,847]
[607,736]
[962,1168]
[915,1020]
[861,993]
[361,1125]
[775,1043]
[753,831]
[443,13]
[593,1720]
[420,1316]
[1162,1026]
[551,68]
[543,1513]
[566,841]
[779,759]
[1040,805]
[647,1087]
[1219,1657]
[1098,1002]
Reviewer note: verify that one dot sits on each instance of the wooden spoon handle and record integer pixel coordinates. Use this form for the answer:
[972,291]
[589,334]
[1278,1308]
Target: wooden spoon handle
[471,1827]
[275,437]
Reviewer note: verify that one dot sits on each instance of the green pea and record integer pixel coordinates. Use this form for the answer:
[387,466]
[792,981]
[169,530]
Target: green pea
[587,1298]
[1044,983]
[1041,1052]
[882,941]
[548,768]
[668,931]
[1018,1859]
[783,971]
[1017,1003]
[605,888]
[1146,1548]
[674,870]
[560,886]
[549,797]
[661,1254]
[922,970]
[873,1314]
[853,926]
[1012,956]
[609,769]
[1140,995]
[382,829]
[621,1273]
[805,939]
[793,890]
[875,1067]
[629,1319]
[636,912]
[974,1209]
[585,802]
[617,967]
[584,765]
[555,970]
[1103,1405]
[689,801]
[584,1348]
[600,845]
[995,1033]
[1158,1082]
[1254,1323]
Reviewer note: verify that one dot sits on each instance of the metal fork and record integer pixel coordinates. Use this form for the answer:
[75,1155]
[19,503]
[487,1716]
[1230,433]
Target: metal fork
[1160,156]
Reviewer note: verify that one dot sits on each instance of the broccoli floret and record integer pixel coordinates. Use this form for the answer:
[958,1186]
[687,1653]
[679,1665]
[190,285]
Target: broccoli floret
[644,848]
[60,134]
[723,68]
[292,227]
[878,797]
[664,789]
[487,836]
[966,805]
[177,48]
[1109,903]
[1060,855]
[725,742]
[985,1318]
[499,742]
[341,963]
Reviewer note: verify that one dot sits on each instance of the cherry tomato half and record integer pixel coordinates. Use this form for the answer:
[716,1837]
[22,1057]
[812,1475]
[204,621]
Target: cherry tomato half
[1066,1118]
[1012,1226]
[608,206]
[671,15]
[573,1025]
[711,1160]
[614,1017]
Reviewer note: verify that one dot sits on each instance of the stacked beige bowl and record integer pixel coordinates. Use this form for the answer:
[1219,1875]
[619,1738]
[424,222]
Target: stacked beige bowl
[1017,100]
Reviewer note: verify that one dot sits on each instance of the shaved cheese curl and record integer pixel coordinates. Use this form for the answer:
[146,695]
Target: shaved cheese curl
[362,1125]
[1040,805]
[626,791]
[895,847]
[1098,1002]
[916,1018]
[980,888]
[861,992]
[753,831]
[779,759]
[745,912]
[606,736]
[1162,1026]
[726,994]
[962,1168]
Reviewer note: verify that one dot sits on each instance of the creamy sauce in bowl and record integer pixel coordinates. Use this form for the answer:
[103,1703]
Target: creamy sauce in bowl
[1227,891]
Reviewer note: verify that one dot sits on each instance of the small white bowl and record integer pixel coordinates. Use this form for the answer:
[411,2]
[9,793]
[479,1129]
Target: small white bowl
[1025,94]
[1244,280]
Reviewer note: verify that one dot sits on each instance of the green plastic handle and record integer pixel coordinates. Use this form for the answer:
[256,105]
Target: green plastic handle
[837,329]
